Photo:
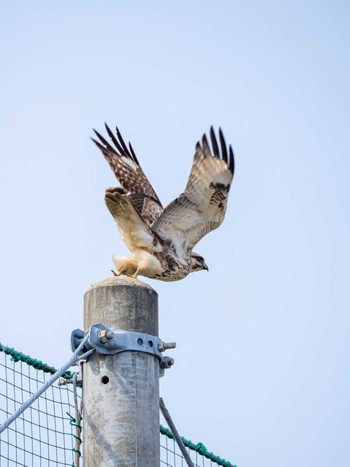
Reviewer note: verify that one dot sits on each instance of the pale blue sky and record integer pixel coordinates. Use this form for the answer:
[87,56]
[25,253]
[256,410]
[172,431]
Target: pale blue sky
[262,364]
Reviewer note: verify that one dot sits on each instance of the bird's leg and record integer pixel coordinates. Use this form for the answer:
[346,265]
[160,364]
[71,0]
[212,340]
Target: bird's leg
[120,270]
[134,276]
[114,273]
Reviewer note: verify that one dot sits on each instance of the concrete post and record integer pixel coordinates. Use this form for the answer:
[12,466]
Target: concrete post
[121,392]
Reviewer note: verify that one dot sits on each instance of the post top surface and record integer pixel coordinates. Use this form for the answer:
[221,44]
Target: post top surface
[120,281]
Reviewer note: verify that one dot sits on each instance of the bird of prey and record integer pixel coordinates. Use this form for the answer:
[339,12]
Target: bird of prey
[161,240]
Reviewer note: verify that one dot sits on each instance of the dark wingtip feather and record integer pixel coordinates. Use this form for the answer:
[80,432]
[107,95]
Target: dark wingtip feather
[232,160]
[95,131]
[206,148]
[103,141]
[223,146]
[113,138]
[133,154]
[109,131]
[214,142]
[99,145]
[121,140]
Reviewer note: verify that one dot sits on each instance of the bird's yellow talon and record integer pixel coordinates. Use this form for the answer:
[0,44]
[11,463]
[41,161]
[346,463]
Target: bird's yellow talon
[120,270]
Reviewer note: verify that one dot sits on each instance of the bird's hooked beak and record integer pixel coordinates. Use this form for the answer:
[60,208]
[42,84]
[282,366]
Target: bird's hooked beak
[205,267]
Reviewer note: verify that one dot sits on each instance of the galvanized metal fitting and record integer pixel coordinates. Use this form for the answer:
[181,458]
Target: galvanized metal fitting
[113,341]
[166,345]
[167,362]
[105,336]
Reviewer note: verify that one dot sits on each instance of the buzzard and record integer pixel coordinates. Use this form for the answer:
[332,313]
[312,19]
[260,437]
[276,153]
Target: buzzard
[161,240]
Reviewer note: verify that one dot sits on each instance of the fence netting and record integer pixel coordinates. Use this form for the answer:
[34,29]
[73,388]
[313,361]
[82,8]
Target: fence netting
[45,434]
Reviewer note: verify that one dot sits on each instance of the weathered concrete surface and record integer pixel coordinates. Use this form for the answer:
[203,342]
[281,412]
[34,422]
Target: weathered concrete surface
[121,392]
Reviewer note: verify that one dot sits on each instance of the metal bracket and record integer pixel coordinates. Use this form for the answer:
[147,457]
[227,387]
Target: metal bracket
[108,341]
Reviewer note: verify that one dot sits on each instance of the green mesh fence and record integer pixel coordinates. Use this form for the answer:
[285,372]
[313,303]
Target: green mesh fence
[170,454]
[44,435]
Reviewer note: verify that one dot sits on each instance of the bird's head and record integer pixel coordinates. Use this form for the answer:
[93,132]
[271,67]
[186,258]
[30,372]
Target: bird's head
[197,263]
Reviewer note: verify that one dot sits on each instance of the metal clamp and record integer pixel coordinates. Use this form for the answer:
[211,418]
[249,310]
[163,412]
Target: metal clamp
[108,341]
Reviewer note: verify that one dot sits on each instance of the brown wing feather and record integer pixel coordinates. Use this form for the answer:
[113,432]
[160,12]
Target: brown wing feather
[124,163]
[202,206]
[135,232]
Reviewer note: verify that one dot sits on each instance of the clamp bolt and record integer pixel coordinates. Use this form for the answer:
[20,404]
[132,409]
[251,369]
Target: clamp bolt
[166,362]
[166,345]
[105,336]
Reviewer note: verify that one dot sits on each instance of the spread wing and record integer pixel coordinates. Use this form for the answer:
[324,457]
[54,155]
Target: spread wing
[135,232]
[124,163]
[202,206]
